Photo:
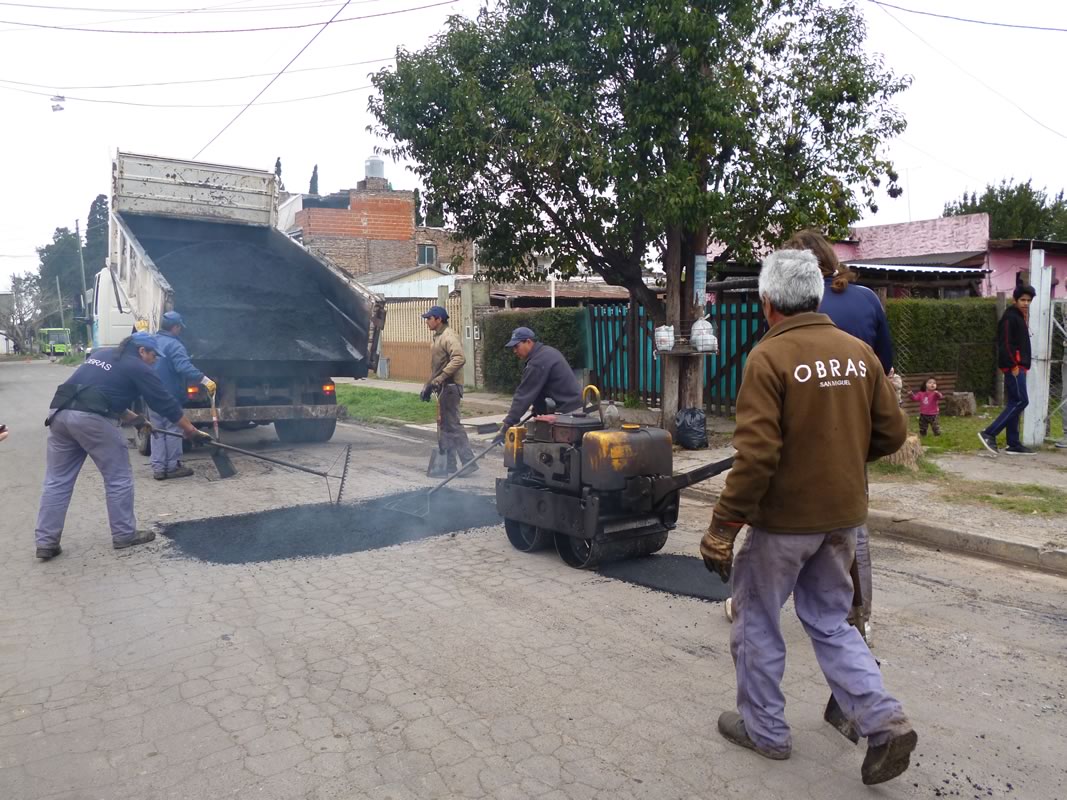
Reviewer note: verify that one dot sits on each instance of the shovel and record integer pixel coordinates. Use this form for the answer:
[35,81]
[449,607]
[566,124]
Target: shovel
[226,468]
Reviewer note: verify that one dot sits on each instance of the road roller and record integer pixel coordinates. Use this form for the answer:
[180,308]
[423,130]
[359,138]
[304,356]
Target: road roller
[597,493]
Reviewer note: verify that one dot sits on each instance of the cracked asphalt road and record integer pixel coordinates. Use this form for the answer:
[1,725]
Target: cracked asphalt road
[456,667]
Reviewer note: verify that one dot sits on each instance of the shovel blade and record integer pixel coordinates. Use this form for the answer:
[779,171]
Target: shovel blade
[438,466]
[222,463]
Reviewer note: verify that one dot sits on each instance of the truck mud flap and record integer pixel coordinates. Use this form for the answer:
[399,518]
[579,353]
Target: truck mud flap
[549,510]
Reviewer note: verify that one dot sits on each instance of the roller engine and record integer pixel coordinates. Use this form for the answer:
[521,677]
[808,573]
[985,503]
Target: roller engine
[599,494]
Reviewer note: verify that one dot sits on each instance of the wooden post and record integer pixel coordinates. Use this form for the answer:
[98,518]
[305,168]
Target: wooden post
[998,378]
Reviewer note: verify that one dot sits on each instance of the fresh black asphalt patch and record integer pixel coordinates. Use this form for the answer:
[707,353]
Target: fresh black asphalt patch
[671,573]
[327,530]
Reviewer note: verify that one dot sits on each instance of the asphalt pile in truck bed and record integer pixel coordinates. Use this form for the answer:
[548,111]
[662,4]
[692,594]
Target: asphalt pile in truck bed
[328,530]
[243,302]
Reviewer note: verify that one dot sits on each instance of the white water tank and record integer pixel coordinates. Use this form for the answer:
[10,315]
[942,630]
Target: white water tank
[375,167]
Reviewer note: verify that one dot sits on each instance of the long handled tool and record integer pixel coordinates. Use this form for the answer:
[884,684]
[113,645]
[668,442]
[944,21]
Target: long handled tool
[419,506]
[227,470]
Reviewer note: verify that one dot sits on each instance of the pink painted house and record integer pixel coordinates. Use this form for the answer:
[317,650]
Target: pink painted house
[946,257]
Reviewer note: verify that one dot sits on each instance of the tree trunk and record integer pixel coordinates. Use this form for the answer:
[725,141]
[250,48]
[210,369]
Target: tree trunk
[669,365]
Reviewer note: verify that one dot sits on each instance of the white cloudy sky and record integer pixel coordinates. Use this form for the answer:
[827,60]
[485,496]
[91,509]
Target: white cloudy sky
[974,86]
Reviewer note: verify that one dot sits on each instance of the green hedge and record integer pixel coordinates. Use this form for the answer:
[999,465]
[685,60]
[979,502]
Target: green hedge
[563,328]
[947,336]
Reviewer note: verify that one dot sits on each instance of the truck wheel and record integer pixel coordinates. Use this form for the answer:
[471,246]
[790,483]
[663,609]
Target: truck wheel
[295,431]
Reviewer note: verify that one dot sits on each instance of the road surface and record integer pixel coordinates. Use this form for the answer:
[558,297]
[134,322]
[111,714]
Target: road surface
[456,667]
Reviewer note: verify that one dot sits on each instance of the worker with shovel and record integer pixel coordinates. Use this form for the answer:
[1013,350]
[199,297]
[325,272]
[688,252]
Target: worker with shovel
[446,381]
[83,420]
[175,370]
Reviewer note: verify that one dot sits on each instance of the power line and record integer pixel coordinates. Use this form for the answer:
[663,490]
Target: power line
[967,19]
[270,83]
[67,98]
[224,30]
[285,6]
[54,86]
[969,74]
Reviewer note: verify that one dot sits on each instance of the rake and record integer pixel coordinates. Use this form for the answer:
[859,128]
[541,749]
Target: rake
[226,468]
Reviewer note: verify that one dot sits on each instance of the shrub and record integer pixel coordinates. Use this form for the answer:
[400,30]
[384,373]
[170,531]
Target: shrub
[947,336]
[562,328]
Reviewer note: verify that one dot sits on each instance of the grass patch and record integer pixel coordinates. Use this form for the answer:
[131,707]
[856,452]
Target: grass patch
[71,360]
[1020,498]
[960,434]
[365,404]
[927,470]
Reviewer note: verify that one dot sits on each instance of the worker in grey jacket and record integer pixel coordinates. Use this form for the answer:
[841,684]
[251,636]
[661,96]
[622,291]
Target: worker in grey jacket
[547,375]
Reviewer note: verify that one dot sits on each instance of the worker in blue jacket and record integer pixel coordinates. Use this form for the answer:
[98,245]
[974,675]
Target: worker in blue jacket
[176,371]
[83,420]
[546,376]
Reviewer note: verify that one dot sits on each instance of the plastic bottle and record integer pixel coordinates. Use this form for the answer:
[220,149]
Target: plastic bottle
[612,416]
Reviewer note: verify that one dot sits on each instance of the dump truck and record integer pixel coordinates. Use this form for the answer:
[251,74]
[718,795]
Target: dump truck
[270,322]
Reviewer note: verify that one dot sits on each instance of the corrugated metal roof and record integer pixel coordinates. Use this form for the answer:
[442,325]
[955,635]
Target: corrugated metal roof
[928,260]
[931,270]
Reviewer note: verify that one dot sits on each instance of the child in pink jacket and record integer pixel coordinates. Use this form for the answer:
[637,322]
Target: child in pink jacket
[929,400]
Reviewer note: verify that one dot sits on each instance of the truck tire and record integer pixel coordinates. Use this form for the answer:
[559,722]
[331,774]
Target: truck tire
[294,431]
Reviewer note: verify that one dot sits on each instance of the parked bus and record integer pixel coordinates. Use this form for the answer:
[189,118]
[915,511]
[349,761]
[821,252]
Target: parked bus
[54,341]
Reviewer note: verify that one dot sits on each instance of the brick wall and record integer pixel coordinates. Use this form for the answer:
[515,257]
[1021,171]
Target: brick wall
[350,254]
[942,235]
[448,248]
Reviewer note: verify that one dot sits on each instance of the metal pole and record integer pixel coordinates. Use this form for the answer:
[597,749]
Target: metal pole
[59,295]
[81,262]
[1037,378]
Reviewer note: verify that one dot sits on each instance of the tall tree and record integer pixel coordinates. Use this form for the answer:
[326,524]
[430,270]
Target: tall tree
[20,319]
[1016,211]
[313,186]
[416,199]
[95,250]
[59,259]
[594,132]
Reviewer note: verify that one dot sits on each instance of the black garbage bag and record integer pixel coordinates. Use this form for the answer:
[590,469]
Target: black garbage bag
[692,428]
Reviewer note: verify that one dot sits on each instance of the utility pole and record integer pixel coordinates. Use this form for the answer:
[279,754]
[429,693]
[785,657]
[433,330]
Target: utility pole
[81,261]
[59,296]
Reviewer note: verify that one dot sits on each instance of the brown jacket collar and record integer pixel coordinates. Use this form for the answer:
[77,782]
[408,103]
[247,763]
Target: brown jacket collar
[798,321]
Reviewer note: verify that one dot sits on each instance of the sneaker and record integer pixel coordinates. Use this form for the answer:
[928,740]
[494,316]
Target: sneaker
[159,476]
[141,537]
[45,553]
[887,761]
[732,727]
[1062,443]
[180,472]
[836,717]
[988,442]
[1019,450]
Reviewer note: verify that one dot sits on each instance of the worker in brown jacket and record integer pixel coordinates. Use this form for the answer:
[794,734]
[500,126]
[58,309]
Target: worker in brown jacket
[446,381]
[814,406]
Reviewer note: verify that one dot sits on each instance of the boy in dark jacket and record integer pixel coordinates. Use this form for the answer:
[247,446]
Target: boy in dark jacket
[1013,359]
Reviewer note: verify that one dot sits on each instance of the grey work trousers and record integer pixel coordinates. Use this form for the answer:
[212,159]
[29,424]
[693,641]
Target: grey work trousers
[814,568]
[452,436]
[166,450]
[72,436]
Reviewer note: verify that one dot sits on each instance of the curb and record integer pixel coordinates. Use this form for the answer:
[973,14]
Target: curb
[886,523]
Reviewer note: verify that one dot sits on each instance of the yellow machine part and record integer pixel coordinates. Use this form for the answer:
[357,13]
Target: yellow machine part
[609,457]
[513,446]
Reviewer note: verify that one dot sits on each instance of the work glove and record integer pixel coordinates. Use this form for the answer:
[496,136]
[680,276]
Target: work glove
[717,546]
[501,436]
[426,393]
[209,384]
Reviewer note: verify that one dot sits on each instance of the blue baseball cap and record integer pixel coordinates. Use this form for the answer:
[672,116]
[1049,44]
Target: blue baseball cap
[145,340]
[521,334]
[172,318]
[436,311]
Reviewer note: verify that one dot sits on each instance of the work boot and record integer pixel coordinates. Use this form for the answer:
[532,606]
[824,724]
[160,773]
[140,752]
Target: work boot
[836,717]
[140,537]
[159,476]
[45,553]
[885,761]
[732,727]
[181,471]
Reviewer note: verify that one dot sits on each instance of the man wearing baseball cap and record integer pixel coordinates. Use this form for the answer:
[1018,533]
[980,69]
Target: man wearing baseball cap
[175,370]
[547,375]
[446,381]
[83,420]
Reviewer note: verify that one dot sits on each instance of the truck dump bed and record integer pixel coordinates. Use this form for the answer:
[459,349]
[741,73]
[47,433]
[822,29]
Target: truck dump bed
[250,294]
